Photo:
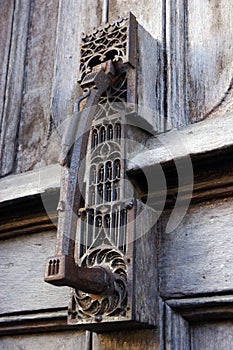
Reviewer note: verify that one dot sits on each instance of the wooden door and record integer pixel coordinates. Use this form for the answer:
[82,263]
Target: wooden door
[194,262]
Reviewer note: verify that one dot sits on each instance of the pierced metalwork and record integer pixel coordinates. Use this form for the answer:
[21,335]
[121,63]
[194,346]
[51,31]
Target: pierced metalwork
[102,225]
[111,304]
[114,101]
[104,217]
[115,41]
[92,238]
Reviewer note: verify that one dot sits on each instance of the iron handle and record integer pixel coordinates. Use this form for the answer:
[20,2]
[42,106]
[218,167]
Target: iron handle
[61,270]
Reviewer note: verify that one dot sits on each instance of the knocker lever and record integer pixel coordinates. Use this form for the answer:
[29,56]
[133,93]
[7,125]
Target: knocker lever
[61,269]
[106,246]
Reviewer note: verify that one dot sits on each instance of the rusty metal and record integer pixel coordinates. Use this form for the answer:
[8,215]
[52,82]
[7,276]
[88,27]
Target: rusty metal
[115,41]
[61,269]
[112,301]
[93,263]
[94,84]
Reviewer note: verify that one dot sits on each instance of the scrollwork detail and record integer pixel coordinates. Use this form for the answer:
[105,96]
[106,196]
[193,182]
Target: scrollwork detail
[112,304]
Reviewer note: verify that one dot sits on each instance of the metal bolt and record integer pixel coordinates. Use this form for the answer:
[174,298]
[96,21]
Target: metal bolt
[98,318]
[129,205]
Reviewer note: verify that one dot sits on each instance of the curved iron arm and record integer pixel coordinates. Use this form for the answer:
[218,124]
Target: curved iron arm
[61,269]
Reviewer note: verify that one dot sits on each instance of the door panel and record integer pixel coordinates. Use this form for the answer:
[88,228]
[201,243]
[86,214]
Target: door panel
[212,336]
[21,275]
[196,258]
[53,341]
[131,340]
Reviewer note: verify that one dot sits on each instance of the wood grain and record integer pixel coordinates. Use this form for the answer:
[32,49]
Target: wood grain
[22,287]
[176,331]
[175,74]
[206,136]
[196,309]
[127,340]
[35,111]
[198,74]
[196,257]
[30,183]
[143,11]
[212,335]
[6,21]
[14,86]
[209,56]
[69,28]
[145,273]
[62,340]
[190,267]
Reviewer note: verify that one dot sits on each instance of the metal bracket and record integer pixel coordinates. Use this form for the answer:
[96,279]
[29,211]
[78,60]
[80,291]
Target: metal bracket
[96,210]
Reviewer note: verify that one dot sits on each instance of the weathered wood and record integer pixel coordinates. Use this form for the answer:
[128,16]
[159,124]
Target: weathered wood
[149,80]
[62,340]
[22,269]
[175,74]
[14,87]
[6,21]
[208,135]
[199,61]
[196,258]
[203,308]
[212,335]
[150,83]
[70,25]
[65,88]
[176,332]
[29,215]
[196,333]
[198,178]
[209,55]
[35,113]
[127,340]
[143,12]
[30,183]
[41,321]
[145,282]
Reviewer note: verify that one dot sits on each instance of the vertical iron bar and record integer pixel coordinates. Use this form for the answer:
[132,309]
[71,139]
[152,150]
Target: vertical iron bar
[105,11]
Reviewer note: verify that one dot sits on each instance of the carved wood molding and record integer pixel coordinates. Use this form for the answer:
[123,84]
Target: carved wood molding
[178,315]
[28,215]
[212,179]
[203,308]
[36,321]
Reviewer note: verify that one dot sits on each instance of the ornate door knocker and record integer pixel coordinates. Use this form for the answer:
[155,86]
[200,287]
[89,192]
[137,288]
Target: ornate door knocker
[97,237]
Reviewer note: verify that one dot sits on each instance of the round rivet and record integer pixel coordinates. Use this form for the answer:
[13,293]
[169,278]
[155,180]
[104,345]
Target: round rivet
[130,205]
[98,318]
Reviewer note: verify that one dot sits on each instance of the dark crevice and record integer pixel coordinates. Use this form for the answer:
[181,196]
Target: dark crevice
[164,69]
